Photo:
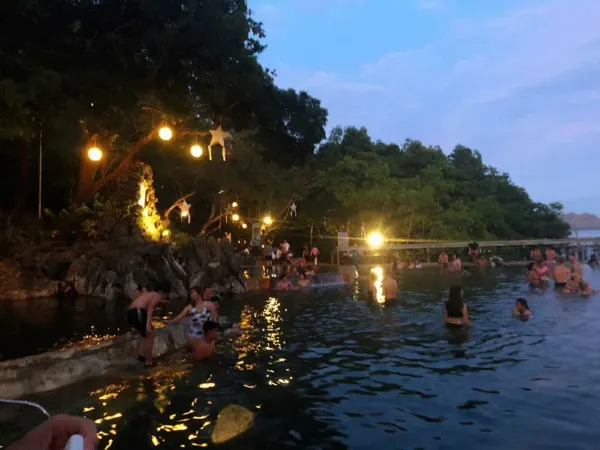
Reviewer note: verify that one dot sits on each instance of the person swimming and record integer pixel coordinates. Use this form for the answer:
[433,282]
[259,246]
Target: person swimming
[521,308]
[562,274]
[455,310]
[303,282]
[201,311]
[206,346]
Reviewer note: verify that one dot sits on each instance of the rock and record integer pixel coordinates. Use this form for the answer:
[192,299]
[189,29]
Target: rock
[233,420]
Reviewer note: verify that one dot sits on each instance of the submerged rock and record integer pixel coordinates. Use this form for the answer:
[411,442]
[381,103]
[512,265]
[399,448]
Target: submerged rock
[233,420]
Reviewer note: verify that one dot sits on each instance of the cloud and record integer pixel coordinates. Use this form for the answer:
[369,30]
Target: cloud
[523,86]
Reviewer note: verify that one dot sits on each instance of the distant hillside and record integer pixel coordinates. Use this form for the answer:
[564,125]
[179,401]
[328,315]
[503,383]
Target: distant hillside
[583,221]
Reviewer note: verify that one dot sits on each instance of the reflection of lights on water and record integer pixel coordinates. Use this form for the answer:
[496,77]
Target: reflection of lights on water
[378,284]
[273,317]
[206,385]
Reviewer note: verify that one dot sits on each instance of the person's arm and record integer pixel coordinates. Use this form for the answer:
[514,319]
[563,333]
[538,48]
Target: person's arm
[56,431]
[515,312]
[213,311]
[181,315]
[466,320]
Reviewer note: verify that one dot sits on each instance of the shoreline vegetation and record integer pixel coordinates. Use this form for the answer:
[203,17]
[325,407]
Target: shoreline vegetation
[95,91]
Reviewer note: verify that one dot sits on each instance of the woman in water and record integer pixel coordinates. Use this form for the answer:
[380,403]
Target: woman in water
[455,310]
[199,313]
[303,282]
[521,308]
[541,272]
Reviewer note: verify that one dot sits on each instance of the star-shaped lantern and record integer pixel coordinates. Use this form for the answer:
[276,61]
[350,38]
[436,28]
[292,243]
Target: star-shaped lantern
[218,136]
[185,210]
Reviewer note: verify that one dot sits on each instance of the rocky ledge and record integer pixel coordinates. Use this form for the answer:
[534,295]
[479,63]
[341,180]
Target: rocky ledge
[53,370]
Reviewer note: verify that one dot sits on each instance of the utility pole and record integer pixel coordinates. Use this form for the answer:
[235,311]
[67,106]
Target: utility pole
[40,175]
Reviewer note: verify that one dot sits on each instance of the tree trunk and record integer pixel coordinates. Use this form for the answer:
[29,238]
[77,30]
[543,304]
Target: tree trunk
[22,194]
[85,185]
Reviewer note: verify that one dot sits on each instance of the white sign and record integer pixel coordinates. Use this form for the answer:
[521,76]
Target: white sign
[343,239]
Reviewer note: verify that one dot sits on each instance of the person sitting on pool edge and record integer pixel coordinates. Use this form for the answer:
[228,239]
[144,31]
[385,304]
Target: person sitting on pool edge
[139,317]
[455,310]
[206,347]
[521,308]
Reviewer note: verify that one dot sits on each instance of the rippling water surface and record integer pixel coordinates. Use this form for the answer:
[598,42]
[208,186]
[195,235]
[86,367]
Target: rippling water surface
[328,369]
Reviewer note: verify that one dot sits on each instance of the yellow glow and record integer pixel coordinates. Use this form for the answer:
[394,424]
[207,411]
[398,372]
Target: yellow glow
[196,151]
[235,217]
[142,194]
[378,284]
[165,133]
[94,154]
[375,239]
[234,205]
[206,385]
[166,233]
[184,213]
[146,212]
[244,226]
[268,220]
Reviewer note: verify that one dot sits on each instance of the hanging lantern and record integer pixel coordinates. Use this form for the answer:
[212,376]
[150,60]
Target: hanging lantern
[185,211]
[218,136]
[196,151]
[165,133]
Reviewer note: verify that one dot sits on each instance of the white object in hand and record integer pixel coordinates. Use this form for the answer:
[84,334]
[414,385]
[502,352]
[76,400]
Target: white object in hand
[75,442]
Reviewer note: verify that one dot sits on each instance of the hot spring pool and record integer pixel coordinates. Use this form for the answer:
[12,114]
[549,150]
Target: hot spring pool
[329,370]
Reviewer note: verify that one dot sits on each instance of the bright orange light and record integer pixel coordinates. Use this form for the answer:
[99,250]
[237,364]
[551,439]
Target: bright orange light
[196,151]
[235,217]
[94,154]
[244,226]
[165,133]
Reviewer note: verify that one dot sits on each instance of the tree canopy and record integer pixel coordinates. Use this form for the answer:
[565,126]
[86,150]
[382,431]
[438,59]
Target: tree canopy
[108,73]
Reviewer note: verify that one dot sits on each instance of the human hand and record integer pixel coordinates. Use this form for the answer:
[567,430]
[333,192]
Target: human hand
[54,433]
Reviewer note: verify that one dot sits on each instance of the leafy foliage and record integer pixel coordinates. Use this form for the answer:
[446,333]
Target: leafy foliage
[110,72]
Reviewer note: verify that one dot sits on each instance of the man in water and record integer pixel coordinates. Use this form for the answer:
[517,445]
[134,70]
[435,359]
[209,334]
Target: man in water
[456,265]
[139,317]
[575,265]
[443,261]
[561,273]
[207,346]
[390,287]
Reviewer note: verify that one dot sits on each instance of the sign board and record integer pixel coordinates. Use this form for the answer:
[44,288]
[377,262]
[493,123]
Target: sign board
[343,239]
[256,234]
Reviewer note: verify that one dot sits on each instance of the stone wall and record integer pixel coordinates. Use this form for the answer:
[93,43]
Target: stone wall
[53,370]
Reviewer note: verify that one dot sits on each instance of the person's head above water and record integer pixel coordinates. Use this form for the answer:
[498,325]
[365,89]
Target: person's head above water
[521,305]
[211,330]
[572,257]
[455,303]
[162,287]
[198,293]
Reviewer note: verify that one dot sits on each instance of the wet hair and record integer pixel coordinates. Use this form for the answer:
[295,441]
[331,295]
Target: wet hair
[530,267]
[162,286]
[454,305]
[210,325]
[521,301]
[139,287]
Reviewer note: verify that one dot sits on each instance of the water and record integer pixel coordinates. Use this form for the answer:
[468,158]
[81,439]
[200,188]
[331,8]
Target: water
[328,370]
[586,233]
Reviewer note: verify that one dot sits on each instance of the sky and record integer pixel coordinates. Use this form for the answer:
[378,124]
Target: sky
[518,80]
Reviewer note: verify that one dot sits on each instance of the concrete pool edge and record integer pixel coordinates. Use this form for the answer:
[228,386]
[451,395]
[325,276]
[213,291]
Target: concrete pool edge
[52,370]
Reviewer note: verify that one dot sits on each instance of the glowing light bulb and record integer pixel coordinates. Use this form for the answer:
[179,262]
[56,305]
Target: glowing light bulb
[196,151]
[234,205]
[235,217]
[94,154]
[375,239]
[165,133]
[268,220]
[244,226]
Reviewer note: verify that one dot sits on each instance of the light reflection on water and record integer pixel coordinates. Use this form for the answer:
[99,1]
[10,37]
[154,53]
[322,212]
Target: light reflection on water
[321,370]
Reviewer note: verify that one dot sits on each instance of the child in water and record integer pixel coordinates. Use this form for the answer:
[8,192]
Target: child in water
[521,308]
[577,285]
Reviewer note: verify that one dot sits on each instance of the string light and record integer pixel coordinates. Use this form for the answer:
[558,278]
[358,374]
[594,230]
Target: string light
[196,151]
[165,133]
[94,154]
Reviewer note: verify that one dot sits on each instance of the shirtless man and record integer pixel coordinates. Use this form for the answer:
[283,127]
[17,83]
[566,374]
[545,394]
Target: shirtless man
[456,265]
[390,288]
[576,266]
[561,273]
[139,317]
[207,346]
[443,261]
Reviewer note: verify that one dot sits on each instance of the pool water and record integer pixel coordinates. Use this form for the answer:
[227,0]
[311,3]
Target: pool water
[329,370]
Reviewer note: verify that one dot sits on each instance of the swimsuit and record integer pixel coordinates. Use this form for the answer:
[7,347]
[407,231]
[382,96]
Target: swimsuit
[138,318]
[197,320]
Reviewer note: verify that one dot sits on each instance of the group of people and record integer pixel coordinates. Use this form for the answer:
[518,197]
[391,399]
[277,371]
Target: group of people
[566,274]
[202,313]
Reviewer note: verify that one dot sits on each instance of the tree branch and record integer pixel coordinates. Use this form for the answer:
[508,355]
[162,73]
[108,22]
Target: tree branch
[177,202]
